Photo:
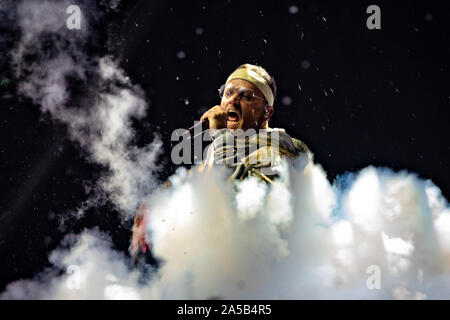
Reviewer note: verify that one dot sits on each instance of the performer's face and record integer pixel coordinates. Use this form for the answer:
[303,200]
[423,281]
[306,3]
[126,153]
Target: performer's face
[244,104]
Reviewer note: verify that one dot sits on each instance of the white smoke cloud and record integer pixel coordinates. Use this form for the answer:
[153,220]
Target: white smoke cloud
[300,238]
[102,124]
[93,268]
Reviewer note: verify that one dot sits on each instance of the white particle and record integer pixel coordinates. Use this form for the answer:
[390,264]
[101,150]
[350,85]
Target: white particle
[299,87]
[286,100]
[181,55]
[306,64]
[177,78]
[198,31]
[186,101]
[265,40]
[293,9]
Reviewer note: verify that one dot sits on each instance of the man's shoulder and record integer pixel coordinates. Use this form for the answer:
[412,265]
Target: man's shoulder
[291,144]
[300,146]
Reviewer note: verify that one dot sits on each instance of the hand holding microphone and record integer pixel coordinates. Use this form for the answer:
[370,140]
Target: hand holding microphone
[216,116]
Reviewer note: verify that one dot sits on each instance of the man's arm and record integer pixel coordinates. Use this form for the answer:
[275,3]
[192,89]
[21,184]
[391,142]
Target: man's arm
[217,118]
[140,230]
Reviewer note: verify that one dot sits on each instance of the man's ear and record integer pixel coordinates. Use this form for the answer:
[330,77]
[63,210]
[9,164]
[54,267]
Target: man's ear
[266,116]
[221,90]
[270,112]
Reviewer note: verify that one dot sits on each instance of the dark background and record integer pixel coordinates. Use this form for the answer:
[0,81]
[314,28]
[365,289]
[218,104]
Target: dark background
[358,97]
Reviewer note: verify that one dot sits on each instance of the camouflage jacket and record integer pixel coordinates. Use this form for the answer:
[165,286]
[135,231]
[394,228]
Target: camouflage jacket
[258,154]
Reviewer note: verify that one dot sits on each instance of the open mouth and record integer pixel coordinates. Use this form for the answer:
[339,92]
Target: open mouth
[233,117]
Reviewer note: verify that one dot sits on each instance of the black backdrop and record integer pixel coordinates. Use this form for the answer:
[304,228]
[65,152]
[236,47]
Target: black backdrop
[357,97]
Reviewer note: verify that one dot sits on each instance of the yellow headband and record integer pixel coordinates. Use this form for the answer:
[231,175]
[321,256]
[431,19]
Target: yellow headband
[256,79]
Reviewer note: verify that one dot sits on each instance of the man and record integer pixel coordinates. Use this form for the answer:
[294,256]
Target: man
[242,139]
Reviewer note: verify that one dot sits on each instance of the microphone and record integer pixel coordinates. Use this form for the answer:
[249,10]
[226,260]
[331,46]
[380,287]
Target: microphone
[202,125]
